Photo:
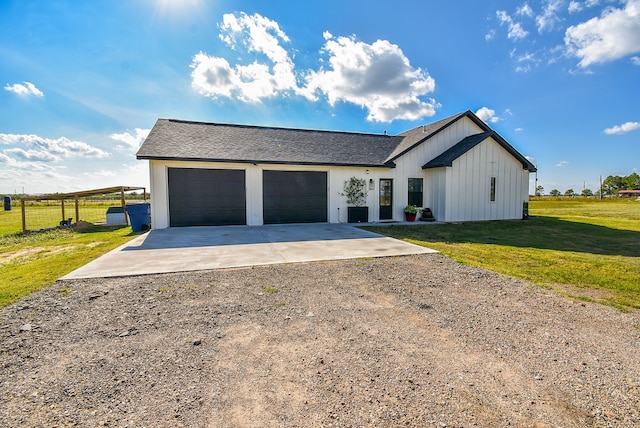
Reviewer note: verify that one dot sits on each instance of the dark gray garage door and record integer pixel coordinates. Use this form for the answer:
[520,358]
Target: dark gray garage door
[294,197]
[206,197]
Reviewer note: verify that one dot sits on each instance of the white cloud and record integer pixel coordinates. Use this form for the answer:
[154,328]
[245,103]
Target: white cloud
[24,90]
[260,35]
[622,129]
[561,164]
[576,6]
[613,35]
[32,155]
[103,173]
[377,77]
[520,130]
[10,163]
[215,77]
[525,10]
[524,62]
[515,28]
[490,35]
[45,165]
[49,149]
[609,36]
[549,17]
[487,115]
[132,142]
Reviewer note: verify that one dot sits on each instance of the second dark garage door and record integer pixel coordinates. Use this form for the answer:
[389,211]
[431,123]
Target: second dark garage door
[206,197]
[294,197]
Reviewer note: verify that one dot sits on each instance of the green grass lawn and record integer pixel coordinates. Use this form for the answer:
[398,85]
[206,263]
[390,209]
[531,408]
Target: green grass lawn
[10,222]
[584,247]
[43,215]
[31,262]
[587,248]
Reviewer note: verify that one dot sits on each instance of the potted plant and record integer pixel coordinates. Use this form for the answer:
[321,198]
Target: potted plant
[410,212]
[356,192]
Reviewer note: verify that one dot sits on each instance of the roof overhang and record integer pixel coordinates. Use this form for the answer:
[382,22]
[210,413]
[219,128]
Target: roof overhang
[447,157]
[264,162]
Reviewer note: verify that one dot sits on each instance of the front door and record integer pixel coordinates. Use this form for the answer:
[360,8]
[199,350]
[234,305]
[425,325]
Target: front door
[386,199]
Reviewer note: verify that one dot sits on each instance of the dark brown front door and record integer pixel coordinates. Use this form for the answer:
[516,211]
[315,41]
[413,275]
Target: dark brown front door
[386,199]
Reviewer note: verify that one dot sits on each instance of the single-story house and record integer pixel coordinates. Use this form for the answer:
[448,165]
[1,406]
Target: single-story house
[223,174]
[628,193]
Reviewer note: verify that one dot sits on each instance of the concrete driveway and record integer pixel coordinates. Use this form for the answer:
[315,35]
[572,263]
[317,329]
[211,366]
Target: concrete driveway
[203,248]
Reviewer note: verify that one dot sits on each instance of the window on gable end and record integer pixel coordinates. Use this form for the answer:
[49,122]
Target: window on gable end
[492,196]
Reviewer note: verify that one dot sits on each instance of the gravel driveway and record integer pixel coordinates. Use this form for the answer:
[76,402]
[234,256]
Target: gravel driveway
[405,341]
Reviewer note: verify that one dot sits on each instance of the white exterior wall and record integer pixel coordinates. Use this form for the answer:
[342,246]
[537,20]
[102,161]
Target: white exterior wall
[336,176]
[410,164]
[461,192]
[457,193]
[468,185]
[434,196]
[159,195]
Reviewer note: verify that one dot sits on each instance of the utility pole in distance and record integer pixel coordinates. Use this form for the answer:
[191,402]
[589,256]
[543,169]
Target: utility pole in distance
[600,187]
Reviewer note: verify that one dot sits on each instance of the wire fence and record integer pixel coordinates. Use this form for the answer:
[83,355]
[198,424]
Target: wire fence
[28,214]
[48,214]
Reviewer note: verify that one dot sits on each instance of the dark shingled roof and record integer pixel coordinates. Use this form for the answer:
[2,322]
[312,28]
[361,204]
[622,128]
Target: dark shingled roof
[181,140]
[447,158]
[216,142]
[416,136]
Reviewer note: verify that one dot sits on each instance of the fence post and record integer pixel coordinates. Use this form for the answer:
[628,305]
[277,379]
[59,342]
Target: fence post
[24,216]
[124,210]
[77,210]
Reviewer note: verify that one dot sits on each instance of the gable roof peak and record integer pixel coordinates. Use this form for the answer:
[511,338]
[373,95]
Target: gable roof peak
[448,156]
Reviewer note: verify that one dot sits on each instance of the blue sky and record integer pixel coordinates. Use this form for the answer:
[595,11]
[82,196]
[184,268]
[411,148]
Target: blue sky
[83,82]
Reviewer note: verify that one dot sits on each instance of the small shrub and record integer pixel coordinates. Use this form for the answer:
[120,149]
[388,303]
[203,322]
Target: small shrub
[356,191]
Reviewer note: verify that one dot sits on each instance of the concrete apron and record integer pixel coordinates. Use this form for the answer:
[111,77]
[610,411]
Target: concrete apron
[202,248]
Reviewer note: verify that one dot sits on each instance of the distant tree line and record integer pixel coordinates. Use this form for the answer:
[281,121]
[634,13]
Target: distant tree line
[614,183]
[610,187]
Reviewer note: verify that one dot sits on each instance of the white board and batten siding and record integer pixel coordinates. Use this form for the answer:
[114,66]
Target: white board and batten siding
[434,195]
[462,192]
[435,180]
[468,185]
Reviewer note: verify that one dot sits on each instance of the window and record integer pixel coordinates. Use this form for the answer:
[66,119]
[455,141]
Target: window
[492,198]
[415,192]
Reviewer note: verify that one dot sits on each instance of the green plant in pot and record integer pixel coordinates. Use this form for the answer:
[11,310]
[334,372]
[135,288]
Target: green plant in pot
[410,212]
[356,192]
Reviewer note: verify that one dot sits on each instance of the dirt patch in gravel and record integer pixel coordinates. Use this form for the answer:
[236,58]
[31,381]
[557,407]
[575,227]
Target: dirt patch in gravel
[406,341]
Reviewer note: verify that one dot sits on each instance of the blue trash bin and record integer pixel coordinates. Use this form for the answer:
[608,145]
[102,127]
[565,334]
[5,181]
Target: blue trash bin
[139,216]
[7,203]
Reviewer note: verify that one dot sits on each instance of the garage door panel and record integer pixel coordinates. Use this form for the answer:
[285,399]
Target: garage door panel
[294,197]
[206,197]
